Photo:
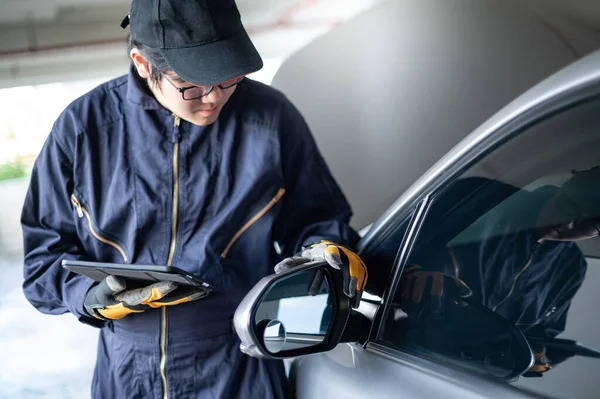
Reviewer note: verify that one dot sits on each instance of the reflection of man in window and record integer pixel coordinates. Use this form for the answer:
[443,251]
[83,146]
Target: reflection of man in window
[520,260]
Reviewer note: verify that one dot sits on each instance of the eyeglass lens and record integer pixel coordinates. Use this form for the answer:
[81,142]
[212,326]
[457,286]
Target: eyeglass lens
[197,92]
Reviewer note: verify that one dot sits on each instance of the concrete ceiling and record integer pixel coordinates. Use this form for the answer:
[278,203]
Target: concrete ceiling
[44,41]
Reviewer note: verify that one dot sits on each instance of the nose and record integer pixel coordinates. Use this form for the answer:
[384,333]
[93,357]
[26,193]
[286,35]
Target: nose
[214,96]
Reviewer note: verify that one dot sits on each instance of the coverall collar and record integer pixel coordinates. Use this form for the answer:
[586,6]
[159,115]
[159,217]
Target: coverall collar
[138,92]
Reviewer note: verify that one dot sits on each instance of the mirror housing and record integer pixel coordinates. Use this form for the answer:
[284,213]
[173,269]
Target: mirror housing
[312,291]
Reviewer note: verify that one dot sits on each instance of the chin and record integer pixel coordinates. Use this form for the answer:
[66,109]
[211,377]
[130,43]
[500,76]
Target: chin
[203,120]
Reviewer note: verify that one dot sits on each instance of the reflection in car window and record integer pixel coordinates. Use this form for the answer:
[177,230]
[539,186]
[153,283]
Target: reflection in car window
[499,247]
[380,259]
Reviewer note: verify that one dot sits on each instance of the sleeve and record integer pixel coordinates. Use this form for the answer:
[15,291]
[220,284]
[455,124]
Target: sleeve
[314,207]
[49,236]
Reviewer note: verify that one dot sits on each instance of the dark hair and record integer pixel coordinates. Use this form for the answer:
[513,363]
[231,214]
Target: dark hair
[156,62]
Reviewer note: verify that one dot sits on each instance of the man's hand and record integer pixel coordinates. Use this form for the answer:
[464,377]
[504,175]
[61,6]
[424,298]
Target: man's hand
[442,288]
[110,301]
[341,258]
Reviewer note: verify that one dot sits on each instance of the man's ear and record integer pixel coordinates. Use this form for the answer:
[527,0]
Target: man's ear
[140,63]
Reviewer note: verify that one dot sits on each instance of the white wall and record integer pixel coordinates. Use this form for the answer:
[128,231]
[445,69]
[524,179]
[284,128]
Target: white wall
[12,194]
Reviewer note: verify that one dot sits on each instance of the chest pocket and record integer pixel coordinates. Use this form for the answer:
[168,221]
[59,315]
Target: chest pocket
[262,210]
[101,245]
[104,195]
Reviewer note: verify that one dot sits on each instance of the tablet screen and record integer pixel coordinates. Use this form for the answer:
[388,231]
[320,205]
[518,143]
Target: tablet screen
[98,271]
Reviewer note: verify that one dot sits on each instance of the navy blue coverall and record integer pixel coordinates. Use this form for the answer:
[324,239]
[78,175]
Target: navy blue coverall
[118,181]
[528,281]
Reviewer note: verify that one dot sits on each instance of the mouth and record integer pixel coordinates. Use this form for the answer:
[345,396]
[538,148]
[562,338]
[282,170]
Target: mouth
[208,111]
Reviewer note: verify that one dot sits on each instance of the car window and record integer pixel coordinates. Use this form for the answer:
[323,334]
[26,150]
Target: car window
[380,257]
[502,276]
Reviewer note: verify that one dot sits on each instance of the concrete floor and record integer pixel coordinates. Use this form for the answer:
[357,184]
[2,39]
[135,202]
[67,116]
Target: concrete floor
[42,356]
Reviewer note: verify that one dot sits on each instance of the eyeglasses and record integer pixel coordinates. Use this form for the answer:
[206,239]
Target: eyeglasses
[195,92]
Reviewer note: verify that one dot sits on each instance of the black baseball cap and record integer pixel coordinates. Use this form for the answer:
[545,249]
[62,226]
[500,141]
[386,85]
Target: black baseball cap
[583,192]
[203,41]
[578,199]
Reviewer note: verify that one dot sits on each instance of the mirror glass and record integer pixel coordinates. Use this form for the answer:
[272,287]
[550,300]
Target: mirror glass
[296,312]
[274,336]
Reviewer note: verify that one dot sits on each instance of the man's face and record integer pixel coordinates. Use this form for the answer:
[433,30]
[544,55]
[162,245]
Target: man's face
[202,111]
[554,224]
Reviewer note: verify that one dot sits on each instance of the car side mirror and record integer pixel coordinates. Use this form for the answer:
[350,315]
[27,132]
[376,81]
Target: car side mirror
[298,312]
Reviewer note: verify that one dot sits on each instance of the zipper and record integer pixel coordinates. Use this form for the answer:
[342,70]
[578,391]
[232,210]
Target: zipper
[512,288]
[175,140]
[81,211]
[163,333]
[253,220]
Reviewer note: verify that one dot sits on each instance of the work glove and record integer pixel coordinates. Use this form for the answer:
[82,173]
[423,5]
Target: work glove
[109,300]
[541,364]
[421,289]
[353,269]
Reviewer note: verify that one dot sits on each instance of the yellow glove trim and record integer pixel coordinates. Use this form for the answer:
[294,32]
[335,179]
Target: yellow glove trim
[539,368]
[116,312]
[155,295]
[175,302]
[357,268]
[541,364]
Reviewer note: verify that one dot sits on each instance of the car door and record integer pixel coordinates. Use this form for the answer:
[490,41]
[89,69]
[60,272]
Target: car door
[497,215]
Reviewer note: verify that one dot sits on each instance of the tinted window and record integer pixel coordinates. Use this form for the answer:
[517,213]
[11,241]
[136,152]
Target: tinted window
[380,259]
[508,251]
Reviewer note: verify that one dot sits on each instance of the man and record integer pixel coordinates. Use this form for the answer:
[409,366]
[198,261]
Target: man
[522,262]
[183,162]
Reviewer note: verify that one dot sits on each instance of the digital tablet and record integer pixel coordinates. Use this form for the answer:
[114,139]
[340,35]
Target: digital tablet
[136,273]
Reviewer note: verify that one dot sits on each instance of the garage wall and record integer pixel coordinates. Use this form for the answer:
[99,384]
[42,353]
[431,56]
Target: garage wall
[394,89]
[11,203]
[574,21]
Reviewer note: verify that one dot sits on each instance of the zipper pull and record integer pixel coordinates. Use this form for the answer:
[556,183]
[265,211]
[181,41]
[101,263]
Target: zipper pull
[279,194]
[176,135]
[77,205]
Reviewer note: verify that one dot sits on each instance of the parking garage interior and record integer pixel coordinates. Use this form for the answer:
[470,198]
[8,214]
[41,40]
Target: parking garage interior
[448,67]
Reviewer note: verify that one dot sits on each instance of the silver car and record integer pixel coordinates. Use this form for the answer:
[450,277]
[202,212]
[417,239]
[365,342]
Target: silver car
[482,275]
